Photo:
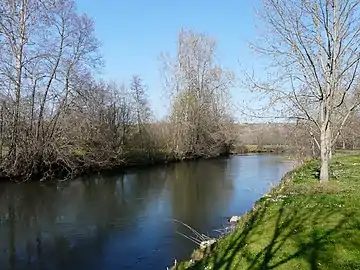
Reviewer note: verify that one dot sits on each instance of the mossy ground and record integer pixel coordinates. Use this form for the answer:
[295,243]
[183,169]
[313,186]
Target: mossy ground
[301,224]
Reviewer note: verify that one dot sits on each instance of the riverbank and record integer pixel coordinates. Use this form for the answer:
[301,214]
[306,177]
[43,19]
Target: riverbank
[82,165]
[256,149]
[300,224]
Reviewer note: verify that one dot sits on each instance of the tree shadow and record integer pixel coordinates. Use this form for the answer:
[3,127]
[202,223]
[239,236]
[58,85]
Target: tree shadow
[304,233]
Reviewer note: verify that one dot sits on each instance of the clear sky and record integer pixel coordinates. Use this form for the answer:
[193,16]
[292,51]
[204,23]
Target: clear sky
[134,32]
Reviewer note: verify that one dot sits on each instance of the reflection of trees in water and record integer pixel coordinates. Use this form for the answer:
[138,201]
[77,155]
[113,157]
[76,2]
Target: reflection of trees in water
[70,223]
[199,190]
[74,217]
[29,215]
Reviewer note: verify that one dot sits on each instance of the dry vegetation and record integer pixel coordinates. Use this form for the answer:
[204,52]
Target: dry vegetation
[57,119]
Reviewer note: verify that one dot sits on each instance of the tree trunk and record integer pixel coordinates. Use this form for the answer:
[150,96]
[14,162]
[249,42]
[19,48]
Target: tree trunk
[354,144]
[328,142]
[313,148]
[2,130]
[324,154]
[18,82]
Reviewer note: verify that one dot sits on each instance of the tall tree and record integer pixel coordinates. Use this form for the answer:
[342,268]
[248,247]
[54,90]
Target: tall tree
[199,90]
[141,104]
[44,45]
[314,45]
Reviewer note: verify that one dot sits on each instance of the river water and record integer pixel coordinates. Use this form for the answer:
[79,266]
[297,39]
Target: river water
[126,220]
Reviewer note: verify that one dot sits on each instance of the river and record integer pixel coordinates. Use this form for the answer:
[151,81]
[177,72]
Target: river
[126,220]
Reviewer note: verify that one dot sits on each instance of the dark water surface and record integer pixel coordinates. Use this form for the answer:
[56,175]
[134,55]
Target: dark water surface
[125,221]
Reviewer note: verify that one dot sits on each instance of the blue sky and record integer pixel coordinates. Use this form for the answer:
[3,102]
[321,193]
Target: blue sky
[133,33]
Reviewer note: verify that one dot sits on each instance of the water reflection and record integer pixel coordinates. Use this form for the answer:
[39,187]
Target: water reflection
[124,220]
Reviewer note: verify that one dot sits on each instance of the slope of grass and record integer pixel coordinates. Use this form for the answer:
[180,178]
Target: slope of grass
[300,225]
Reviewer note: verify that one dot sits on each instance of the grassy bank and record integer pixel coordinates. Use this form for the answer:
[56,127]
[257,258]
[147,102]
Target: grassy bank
[253,148]
[299,225]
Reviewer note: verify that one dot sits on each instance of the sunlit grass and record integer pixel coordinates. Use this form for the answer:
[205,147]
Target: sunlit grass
[300,225]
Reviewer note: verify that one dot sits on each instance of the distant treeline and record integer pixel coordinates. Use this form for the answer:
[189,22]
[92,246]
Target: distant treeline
[277,137]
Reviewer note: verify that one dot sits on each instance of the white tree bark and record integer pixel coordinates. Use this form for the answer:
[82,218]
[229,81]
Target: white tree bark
[324,170]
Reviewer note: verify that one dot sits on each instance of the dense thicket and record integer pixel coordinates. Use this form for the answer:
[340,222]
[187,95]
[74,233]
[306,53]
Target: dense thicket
[55,118]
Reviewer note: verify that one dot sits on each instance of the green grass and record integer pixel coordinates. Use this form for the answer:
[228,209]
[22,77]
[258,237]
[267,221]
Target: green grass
[300,225]
[348,152]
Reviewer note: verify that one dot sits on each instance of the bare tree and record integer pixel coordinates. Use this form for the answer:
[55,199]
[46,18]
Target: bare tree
[57,119]
[15,23]
[44,45]
[314,45]
[199,90]
[141,104]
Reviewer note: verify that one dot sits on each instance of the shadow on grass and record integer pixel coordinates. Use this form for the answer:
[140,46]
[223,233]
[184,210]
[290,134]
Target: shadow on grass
[291,233]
